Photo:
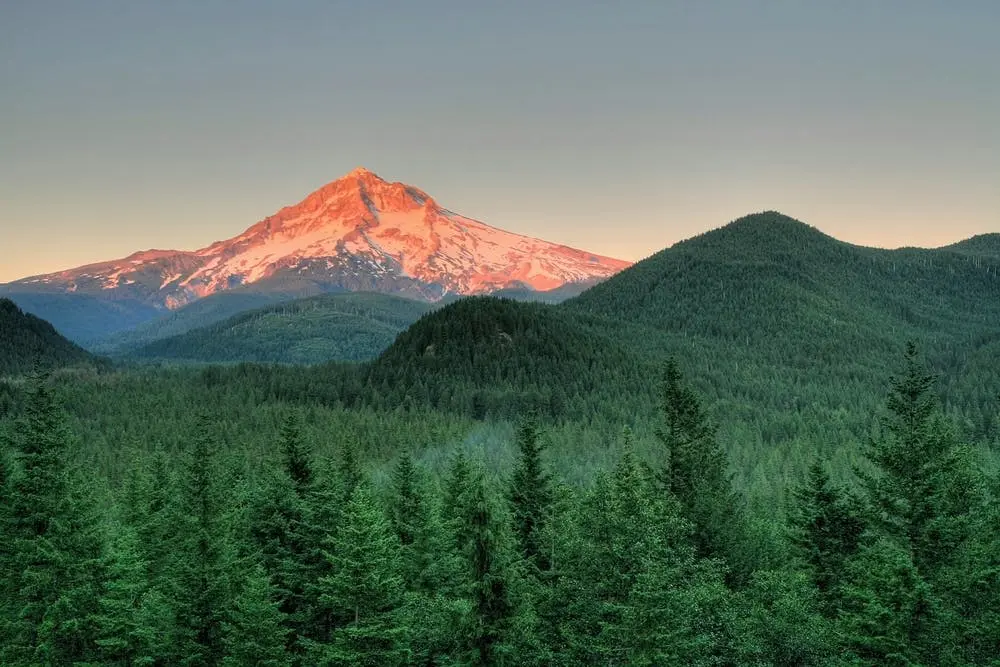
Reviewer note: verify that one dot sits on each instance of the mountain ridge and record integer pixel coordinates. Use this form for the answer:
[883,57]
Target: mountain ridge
[359,233]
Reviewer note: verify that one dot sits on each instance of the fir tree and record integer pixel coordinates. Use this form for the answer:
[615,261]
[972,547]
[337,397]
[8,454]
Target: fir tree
[695,473]
[135,622]
[530,496]
[364,590]
[296,455]
[53,564]
[826,530]
[200,570]
[255,632]
[493,606]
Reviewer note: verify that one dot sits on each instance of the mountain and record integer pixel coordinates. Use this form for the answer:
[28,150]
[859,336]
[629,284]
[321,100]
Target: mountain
[783,329]
[983,245]
[341,327]
[27,342]
[488,355]
[358,233]
[82,318]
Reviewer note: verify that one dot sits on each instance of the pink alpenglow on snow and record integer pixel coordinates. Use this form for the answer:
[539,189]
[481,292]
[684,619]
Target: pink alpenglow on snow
[358,232]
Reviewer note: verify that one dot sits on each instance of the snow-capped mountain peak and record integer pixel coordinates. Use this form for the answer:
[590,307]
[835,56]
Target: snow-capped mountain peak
[357,232]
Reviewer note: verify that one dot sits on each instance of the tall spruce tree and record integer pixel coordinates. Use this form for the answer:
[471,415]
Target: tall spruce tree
[496,628]
[254,632]
[903,600]
[201,567]
[53,543]
[135,621]
[364,591]
[825,530]
[296,455]
[695,472]
[530,496]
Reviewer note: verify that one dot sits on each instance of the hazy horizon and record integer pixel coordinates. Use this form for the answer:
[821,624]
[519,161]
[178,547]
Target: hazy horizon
[619,130]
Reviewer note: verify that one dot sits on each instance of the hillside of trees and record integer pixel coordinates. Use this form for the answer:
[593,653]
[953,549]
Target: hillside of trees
[27,341]
[319,553]
[725,455]
[345,327]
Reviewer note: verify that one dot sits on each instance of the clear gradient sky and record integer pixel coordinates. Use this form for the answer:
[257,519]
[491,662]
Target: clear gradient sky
[618,127]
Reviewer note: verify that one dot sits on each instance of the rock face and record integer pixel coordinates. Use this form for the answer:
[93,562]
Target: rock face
[359,232]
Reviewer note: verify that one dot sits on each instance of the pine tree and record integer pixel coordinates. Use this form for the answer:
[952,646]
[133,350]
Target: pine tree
[200,569]
[135,622]
[53,535]
[410,515]
[890,614]
[924,494]
[695,472]
[323,516]
[364,590]
[494,609]
[255,632]
[826,530]
[297,461]
[530,496]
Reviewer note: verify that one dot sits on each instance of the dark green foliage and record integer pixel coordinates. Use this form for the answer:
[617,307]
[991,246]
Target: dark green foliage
[255,632]
[27,342]
[484,356]
[349,327]
[296,456]
[695,472]
[364,590]
[135,620]
[530,496]
[826,528]
[51,559]
[200,569]
[497,624]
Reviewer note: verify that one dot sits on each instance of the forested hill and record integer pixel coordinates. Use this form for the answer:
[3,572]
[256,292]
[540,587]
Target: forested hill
[345,327]
[27,341]
[483,355]
[786,331]
[771,292]
[983,245]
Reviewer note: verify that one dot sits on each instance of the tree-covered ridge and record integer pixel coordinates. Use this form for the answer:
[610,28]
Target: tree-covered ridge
[981,245]
[27,341]
[343,327]
[487,356]
[189,556]
[82,318]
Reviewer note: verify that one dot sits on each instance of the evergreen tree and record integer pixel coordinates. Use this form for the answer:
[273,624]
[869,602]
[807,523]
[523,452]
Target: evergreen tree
[200,570]
[695,473]
[296,454]
[826,530]
[530,496]
[255,633]
[364,590]
[498,624]
[53,569]
[890,614]
[135,622]
[905,601]
[628,589]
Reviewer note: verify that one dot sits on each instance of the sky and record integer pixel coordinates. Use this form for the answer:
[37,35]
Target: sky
[619,128]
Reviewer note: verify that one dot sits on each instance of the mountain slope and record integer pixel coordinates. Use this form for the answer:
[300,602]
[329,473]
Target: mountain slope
[358,233]
[27,341]
[983,245]
[82,318]
[342,327]
[486,355]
